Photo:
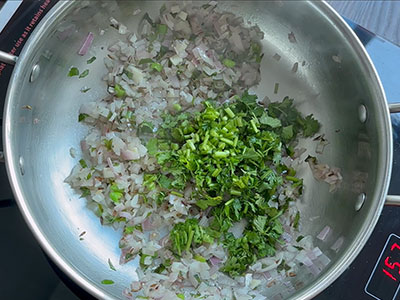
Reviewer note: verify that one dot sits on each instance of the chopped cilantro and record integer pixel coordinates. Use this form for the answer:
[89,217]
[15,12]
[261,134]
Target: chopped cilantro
[162,29]
[83,163]
[73,72]
[82,117]
[156,66]
[91,60]
[229,152]
[229,63]
[84,74]
[119,91]
[152,146]
[111,265]
[146,61]
[108,144]
[85,192]
[296,220]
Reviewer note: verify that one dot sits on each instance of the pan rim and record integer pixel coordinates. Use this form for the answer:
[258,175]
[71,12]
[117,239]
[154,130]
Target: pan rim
[307,293]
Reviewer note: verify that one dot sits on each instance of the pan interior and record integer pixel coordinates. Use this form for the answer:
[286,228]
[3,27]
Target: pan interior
[333,79]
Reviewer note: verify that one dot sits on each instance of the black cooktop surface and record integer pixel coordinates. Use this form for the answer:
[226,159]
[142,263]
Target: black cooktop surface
[25,273]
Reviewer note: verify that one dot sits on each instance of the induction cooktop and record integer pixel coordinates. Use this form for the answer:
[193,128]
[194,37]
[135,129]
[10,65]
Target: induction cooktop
[26,273]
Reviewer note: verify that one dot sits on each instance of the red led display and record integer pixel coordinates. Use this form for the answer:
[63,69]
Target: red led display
[384,282]
[393,268]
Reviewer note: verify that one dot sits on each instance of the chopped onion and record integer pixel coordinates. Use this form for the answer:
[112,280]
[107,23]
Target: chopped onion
[215,261]
[338,244]
[238,228]
[86,44]
[337,59]
[324,233]
[277,57]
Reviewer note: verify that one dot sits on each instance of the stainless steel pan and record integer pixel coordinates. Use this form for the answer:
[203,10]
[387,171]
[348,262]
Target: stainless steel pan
[345,95]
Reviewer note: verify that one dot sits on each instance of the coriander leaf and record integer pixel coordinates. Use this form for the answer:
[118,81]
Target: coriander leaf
[111,265]
[73,72]
[162,29]
[259,223]
[211,201]
[229,63]
[287,133]
[148,19]
[145,61]
[156,66]
[107,281]
[296,220]
[85,89]
[129,229]
[145,127]
[164,182]
[82,117]
[84,74]
[108,144]
[152,146]
[119,91]
[200,258]
[310,126]
[85,192]
[116,196]
[163,157]
[91,60]
[272,122]
[83,164]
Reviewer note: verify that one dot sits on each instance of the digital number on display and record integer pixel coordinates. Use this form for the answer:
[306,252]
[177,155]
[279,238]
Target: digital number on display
[384,282]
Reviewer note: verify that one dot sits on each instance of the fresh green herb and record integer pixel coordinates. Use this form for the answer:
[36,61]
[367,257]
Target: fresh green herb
[152,146]
[233,155]
[310,126]
[129,229]
[200,258]
[91,60]
[111,265]
[83,164]
[85,192]
[181,296]
[165,182]
[115,193]
[271,122]
[283,266]
[163,51]
[108,144]
[162,29]
[189,233]
[107,281]
[156,66]
[296,220]
[119,91]
[146,61]
[145,127]
[229,63]
[84,74]
[276,88]
[84,90]
[73,72]
[148,19]
[177,107]
[82,117]
[142,260]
